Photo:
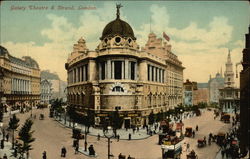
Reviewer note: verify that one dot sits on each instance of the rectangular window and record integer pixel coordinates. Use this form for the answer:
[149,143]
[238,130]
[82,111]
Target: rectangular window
[103,70]
[132,75]
[153,68]
[156,74]
[163,71]
[160,70]
[118,69]
[86,72]
[148,73]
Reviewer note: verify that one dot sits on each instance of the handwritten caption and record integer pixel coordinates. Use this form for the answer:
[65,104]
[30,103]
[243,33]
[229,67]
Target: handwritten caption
[59,7]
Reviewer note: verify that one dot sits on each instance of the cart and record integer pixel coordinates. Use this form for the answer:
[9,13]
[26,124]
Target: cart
[188,132]
[192,155]
[76,134]
[201,143]
[41,117]
[225,118]
[220,138]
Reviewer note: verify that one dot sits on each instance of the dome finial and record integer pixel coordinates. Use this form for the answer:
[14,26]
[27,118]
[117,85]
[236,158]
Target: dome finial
[118,6]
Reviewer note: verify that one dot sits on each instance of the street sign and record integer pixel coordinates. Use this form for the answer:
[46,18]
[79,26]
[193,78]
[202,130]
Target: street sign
[102,115]
[133,115]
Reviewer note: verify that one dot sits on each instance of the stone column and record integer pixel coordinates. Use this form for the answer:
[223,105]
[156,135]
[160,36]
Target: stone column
[92,70]
[126,69]
[80,74]
[109,69]
[150,73]
[84,72]
[122,63]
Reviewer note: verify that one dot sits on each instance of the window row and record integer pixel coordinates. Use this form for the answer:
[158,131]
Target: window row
[78,74]
[156,74]
[117,69]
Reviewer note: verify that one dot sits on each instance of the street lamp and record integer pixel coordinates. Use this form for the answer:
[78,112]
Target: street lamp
[85,142]
[109,133]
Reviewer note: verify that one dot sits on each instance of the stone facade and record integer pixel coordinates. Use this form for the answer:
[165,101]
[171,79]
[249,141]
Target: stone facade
[118,75]
[201,95]
[20,79]
[46,91]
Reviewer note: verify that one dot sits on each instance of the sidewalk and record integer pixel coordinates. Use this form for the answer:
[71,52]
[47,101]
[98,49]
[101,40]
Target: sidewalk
[7,150]
[137,135]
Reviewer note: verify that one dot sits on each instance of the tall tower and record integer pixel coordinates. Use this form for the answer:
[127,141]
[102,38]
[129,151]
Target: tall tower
[229,74]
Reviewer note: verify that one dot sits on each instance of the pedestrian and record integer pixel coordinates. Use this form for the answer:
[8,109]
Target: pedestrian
[129,136]
[197,127]
[98,137]
[193,134]
[188,146]
[120,156]
[76,148]
[137,128]
[63,152]
[118,137]
[7,137]
[2,144]
[133,130]
[5,156]
[91,150]
[129,157]
[222,153]
[44,155]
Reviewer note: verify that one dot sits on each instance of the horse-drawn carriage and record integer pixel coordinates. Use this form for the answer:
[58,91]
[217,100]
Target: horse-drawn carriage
[220,138]
[225,118]
[41,117]
[188,132]
[192,155]
[201,143]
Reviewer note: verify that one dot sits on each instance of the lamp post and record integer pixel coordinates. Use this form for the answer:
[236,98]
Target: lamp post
[181,114]
[85,142]
[109,133]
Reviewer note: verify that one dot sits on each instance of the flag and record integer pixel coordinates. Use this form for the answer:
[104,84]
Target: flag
[166,36]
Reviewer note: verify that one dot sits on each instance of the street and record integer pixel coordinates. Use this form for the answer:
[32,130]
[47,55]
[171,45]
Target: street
[52,136]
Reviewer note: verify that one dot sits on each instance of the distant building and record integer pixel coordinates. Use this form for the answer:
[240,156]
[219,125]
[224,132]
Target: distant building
[214,84]
[46,91]
[189,89]
[201,95]
[19,80]
[57,86]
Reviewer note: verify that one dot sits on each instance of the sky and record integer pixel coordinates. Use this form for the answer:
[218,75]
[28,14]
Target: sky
[201,32]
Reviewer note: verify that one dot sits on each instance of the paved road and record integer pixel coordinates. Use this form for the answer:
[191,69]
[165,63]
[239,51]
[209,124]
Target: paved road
[51,136]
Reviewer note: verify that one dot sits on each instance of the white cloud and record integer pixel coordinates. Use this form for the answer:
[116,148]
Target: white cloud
[202,50]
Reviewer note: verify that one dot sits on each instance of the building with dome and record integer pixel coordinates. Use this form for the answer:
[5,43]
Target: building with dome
[119,75]
[19,80]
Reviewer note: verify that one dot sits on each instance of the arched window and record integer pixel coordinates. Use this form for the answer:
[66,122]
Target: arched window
[117,89]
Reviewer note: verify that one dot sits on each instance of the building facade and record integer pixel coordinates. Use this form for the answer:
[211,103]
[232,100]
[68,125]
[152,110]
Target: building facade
[201,95]
[244,99]
[229,98]
[118,75]
[214,84]
[189,91]
[46,91]
[20,79]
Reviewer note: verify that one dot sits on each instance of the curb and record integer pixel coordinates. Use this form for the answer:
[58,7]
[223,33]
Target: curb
[104,136]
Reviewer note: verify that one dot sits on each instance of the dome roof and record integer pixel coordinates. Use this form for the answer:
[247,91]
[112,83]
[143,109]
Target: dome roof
[118,27]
